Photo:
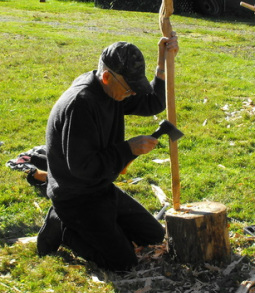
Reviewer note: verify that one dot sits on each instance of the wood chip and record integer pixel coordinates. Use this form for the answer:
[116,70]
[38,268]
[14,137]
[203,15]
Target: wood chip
[230,267]
[159,194]
[23,240]
[205,122]
[143,290]
[161,161]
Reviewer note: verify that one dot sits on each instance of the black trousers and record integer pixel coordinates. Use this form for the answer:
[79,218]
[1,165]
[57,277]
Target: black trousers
[101,227]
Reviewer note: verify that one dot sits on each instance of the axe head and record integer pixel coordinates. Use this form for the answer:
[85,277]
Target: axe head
[166,127]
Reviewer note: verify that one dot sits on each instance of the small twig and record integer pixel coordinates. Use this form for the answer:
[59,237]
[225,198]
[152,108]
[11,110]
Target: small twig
[9,287]
[124,282]
[142,272]
[230,267]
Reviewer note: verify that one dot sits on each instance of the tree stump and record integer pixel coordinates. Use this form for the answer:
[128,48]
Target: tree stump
[198,232]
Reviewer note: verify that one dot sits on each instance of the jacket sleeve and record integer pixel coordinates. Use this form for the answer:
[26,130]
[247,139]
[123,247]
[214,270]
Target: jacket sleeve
[88,157]
[148,104]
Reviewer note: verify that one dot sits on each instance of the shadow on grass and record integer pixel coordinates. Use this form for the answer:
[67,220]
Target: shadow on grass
[15,231]
[228,17]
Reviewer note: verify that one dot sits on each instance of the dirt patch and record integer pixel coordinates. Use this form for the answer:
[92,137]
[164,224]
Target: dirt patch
[159,271]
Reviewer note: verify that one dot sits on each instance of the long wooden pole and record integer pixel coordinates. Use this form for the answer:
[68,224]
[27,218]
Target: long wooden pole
[166,10]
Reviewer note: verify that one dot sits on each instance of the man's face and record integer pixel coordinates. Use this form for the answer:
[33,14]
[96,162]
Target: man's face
[118,88]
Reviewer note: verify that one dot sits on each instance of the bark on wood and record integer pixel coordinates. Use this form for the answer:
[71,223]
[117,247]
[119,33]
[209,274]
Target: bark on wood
[198,232]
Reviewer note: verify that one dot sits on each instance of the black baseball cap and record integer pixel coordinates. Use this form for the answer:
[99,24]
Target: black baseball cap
[127,60]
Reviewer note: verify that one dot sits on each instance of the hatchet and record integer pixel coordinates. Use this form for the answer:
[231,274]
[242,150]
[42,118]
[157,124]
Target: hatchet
[165,127]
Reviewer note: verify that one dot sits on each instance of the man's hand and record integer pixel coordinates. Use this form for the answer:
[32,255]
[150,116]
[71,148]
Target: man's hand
[142,144]
[169,44]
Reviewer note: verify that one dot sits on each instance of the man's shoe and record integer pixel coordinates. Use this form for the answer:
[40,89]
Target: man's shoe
[50,235]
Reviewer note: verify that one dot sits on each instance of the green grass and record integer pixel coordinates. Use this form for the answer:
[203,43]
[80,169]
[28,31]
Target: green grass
[44,46]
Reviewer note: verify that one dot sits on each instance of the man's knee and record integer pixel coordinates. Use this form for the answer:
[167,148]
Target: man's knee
[106,255]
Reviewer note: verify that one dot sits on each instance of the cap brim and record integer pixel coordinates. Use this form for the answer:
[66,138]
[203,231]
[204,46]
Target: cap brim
[140,86]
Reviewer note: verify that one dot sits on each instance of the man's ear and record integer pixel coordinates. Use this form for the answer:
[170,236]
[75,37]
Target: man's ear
[106,77]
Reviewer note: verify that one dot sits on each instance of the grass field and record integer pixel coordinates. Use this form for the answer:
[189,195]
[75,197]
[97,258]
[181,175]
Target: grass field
[44,46]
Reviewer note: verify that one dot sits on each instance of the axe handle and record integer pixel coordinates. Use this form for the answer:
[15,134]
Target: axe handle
[246,5]
[157,134]
[124,171]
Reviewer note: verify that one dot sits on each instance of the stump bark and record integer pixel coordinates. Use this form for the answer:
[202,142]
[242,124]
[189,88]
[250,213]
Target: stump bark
[198,232]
